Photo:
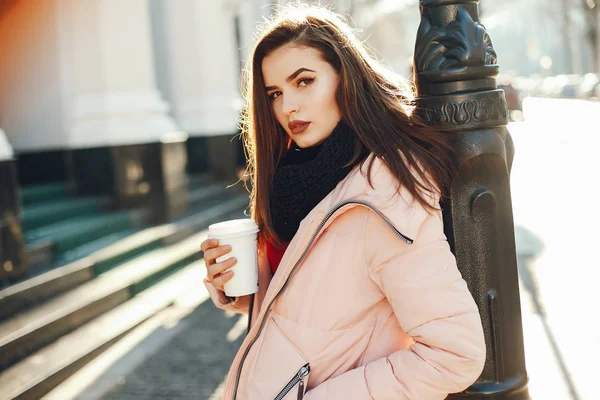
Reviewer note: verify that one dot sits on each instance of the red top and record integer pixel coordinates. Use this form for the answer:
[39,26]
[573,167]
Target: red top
[275,254]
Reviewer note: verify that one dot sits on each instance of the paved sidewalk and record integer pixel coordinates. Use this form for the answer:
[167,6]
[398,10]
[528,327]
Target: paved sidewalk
[555,194]
[192,365]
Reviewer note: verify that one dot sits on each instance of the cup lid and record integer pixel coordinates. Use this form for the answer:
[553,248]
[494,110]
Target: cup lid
[232,228]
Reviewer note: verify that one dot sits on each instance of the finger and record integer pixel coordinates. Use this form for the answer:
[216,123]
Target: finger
[208,243]
[205,244]
[222,279]
[213,253]
[215,269]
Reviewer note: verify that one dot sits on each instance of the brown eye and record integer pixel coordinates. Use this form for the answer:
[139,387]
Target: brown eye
[305,82]
[274,95]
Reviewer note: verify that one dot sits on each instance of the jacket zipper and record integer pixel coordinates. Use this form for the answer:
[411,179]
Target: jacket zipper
[312,239]
[298,378]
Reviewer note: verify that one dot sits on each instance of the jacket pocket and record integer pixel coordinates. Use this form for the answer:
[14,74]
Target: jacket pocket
[329,352]
[297,384]
[280,370]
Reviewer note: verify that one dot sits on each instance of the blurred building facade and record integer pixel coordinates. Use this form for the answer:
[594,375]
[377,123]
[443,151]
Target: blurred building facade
[122,99]
[102,74]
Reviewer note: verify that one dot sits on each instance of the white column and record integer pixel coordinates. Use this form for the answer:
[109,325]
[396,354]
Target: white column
[202,71]
[111,95]
[6,151]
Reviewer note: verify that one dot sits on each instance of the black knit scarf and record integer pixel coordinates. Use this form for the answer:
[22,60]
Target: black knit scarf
[305,176]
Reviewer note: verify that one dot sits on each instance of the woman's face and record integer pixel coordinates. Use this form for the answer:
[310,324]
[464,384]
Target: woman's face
[301,87]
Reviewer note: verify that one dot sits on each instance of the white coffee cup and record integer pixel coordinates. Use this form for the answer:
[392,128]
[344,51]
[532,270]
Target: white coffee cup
[241,235]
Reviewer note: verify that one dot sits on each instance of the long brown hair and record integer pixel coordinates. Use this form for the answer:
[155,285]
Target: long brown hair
[377,104]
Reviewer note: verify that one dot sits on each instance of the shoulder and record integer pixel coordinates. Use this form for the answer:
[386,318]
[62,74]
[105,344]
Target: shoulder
[393,200]
[385,181]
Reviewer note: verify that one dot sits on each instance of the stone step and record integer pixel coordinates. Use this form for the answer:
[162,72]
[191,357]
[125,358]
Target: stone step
[31,194]
[42,259]
[36,375]
[111,223]
[33,329]
[55,244]
[74,225]
[47,244]
[199,196]
[40,214]
[37,289]
[200,180]
[94,246]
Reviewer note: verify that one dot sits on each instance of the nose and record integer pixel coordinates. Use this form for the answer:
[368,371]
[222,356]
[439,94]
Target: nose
[290,104]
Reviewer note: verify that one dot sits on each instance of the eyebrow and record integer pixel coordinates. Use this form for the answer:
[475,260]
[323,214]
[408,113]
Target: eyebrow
[291,77]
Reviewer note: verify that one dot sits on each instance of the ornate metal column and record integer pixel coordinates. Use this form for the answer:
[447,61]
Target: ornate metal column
[455,72]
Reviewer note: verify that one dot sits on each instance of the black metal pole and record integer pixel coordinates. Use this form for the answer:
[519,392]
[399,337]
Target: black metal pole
[455,72]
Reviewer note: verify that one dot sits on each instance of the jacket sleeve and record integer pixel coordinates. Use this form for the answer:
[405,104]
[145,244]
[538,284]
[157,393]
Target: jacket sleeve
[434,307]
[241,304]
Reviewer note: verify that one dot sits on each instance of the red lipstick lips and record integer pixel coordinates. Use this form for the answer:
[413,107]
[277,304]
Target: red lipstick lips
[298,126]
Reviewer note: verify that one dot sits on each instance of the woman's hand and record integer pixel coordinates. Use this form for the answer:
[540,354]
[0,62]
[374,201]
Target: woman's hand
[217,272]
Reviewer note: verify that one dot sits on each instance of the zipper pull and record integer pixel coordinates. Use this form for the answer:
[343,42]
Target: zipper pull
[301,390]
[304,371]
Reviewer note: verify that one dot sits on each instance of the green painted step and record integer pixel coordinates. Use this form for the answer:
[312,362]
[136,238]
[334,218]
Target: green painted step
[41,214]
[31,194]
[76,232]
[110,223]
[72,255]
[72,224]
[95,246]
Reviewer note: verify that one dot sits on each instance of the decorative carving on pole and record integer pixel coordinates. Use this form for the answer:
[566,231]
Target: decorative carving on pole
[455,73]
[463,43]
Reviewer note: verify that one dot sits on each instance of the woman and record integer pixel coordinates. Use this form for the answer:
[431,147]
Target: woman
[360,296]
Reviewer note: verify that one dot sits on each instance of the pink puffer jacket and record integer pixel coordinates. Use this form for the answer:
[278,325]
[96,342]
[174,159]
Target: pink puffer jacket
[367,303]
